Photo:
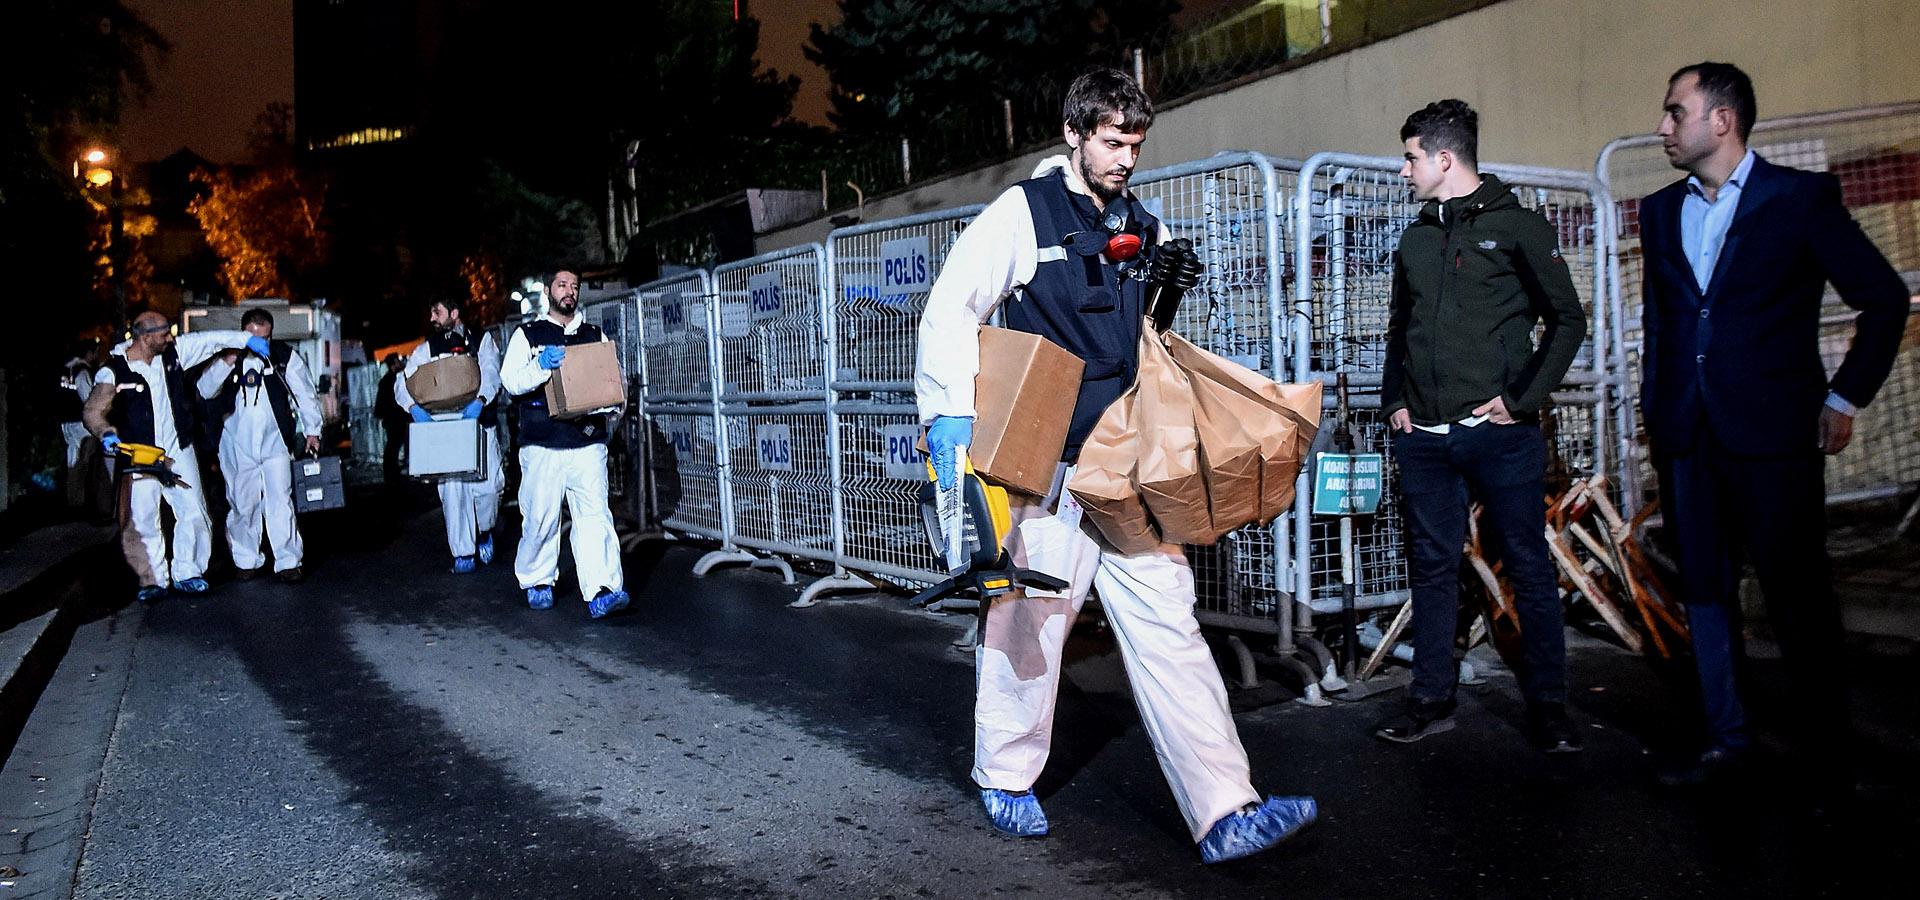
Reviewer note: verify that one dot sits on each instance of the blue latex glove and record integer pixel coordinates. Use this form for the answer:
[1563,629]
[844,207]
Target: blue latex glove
[946,433]
[472,411]
[550,357]
[419,414]
[110,443]
[260,345]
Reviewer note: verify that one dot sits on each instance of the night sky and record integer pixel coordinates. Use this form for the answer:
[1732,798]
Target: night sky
[233,57]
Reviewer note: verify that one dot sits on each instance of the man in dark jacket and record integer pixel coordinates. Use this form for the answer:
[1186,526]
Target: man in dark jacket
[1463,388]
[1739,410]
[393,422]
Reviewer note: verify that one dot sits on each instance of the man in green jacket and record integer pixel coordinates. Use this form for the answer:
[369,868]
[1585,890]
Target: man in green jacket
[1463,387]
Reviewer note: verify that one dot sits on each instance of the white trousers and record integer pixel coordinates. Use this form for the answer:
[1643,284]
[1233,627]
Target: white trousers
[577,476]
[260,501]
[144,541]
[471,507]
[1148,599]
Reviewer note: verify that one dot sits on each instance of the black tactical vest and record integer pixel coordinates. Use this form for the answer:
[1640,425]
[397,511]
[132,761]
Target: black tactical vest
[1088,305]
[132,412]
[536,427]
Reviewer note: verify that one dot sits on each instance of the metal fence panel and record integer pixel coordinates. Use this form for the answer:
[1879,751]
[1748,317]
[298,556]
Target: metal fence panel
[770,338]
[872,337]
[874,333]
[780,478]
[683,470]
[618,317]
[679,362]
[1875,154]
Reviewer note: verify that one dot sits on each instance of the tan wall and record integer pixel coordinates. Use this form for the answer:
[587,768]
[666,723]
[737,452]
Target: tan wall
[1554,80]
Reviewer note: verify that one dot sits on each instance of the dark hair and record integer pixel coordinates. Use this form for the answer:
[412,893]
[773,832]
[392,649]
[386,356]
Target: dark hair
[1449,125]
[452,305]
[1723,84]
[391,359]
[256,315]
[1099,95]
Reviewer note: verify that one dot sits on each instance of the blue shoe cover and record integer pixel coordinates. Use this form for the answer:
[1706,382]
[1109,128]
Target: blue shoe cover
[485,548]
[607,602]
[194,585]
[150,594]
[462,565]
[540,596]
[1250,831]
[1019,815]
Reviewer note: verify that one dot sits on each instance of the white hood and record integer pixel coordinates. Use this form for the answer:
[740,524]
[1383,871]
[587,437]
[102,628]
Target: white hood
[1057,161]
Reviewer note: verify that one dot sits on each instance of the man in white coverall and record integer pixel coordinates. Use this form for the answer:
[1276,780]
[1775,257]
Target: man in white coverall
[561,460]
[270,412]
[1043,247]
[133,399]
[470,508]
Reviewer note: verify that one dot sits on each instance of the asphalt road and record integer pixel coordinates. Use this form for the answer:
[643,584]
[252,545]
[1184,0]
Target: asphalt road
[388,729]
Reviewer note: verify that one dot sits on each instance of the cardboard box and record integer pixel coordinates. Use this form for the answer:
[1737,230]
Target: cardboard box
[317,484]
[446,449]
[445,384]
[589,379]
[1023,403]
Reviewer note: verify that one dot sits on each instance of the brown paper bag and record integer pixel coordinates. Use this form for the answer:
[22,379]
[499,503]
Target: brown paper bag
[1231,427]
[1285,431]
[1169,473]
[1103,481]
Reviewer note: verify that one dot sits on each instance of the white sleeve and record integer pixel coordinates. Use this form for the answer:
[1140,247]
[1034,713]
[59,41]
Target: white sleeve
[415,360]
[193,349]
[489,358]
[520,372]
[995,254]
[306,398]
[104,376]
[213,377]
[83,385]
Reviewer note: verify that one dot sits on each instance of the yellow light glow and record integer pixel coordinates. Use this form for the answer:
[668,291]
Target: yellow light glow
[99,176]
[96,156]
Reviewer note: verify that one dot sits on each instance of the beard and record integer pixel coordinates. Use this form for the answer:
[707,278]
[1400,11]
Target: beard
[1096,184]
[567,306]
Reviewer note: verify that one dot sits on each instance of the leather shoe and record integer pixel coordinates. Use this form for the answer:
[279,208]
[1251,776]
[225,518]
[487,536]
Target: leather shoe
[1715,766]
[1551,730]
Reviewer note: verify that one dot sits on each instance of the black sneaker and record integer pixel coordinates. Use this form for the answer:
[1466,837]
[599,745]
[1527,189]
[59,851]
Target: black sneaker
[1716,766]
[1421,719]
[1551,730]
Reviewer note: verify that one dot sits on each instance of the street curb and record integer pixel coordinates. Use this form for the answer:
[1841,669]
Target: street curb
[37,621]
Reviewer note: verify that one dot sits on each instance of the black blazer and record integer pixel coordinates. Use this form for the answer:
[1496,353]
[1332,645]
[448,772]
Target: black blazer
[1746,352]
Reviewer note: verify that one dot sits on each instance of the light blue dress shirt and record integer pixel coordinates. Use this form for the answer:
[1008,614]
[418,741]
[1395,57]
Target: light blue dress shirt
[1703,232]
[1703,223]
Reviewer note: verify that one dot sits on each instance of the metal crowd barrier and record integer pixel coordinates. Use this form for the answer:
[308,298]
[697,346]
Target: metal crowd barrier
[1871,151]
[677,410]
[1349,212]
[771,401]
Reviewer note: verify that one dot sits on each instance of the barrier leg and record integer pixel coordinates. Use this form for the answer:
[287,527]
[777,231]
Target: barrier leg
[839,581]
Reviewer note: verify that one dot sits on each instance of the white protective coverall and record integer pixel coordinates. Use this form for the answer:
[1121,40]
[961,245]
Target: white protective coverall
[551,475]
[469,507]
[255,462]
[1148,597]
[142,537]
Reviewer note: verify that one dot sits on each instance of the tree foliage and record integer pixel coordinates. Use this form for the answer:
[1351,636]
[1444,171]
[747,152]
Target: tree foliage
[899,66]
[265,221]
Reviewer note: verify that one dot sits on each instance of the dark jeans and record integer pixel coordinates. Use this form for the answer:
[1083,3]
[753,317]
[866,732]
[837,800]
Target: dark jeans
[1504,468]
[390,461]
[1720,505]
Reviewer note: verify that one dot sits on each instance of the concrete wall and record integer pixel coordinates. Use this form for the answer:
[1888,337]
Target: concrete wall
[1554,80]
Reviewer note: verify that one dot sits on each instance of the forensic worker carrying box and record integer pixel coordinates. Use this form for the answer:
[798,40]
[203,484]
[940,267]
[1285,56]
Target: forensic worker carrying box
[589,379]
[445,384]
[450,449]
